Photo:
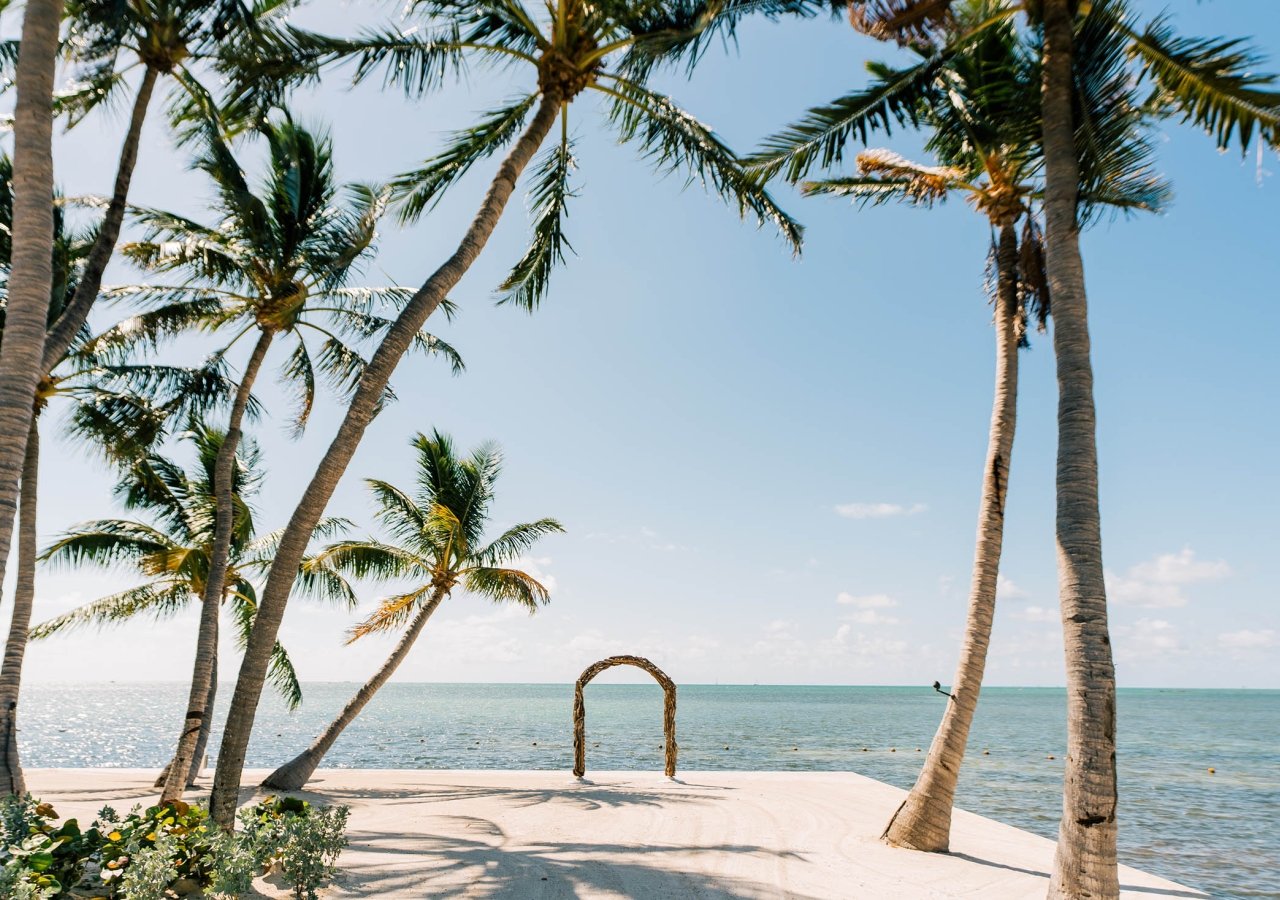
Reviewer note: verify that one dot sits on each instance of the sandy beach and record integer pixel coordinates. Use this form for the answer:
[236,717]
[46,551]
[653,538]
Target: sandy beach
[714,835]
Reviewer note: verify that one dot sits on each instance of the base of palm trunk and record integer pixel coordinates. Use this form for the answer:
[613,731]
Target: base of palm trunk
[292,776]
[920,825]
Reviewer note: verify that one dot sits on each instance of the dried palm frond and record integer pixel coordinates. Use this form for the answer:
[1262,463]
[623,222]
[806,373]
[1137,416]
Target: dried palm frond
[1033,282]
[923,184]
[907,22]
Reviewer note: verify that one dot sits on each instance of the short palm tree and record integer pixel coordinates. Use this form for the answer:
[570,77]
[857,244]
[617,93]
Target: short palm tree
[436,544]
[981,114]
[567,48]
[173,550]
[120,409]
[279,264]
[1211,83]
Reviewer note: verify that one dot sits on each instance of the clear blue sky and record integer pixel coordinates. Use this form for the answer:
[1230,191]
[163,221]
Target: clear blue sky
[699,408]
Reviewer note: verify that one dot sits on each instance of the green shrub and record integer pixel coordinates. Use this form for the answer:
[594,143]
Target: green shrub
[48,858]
[187,834]
[302,840]
[234,862]
[151,870]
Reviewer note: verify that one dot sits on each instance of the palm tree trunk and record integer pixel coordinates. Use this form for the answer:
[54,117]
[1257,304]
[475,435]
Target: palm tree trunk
[24,595]
[31,271]
[368,394]
[923,821]
[215,582]
[206,726]
[298,771]
[73,316]
[1085,863]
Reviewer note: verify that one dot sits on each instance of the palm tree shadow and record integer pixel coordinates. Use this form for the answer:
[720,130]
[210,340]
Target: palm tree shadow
[1133,888]
[391,863]
[587,797]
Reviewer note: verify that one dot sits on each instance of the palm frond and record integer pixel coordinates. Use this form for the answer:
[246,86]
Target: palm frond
[160,599]
[418,190]
[372,559]
[908,22]
[391,614]
[516,541]
[673,139]
[1211,82]
[507,586]
[527,284]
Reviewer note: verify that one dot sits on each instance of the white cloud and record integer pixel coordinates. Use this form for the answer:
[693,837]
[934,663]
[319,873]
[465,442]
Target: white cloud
[1248,639]
[1007,590]
[1036,614]
[871,617]
[866,601]
[1158,583]
[1146,639]
[878,510]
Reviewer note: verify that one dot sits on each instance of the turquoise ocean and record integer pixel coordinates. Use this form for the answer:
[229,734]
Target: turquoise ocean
[1219,831]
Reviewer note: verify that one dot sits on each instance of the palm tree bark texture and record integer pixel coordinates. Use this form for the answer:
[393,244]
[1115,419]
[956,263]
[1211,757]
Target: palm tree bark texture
[580,710]
[11,778]
[1085,861]
[31,274]
[923,821]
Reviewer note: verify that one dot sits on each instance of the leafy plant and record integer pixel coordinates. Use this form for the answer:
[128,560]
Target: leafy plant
[233,861]
[49,859]
[180,829]
[150,870]
[301,840]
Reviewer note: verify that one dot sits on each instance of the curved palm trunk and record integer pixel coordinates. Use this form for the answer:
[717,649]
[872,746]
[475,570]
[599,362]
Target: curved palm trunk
[1085,863]
[369,392]
[211,604]
[31,271]
[923,821]
[73,316]
[206,726]
[24,595]
[298,771]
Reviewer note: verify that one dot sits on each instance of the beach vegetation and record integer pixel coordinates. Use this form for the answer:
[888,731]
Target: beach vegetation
[300,840]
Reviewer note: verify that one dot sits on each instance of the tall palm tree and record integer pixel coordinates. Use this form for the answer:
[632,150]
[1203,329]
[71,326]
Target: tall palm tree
[277,265]
[980,110]
[30,278]
[120,409]
[571,48]
[436,542]
[173,549]
[1211,83]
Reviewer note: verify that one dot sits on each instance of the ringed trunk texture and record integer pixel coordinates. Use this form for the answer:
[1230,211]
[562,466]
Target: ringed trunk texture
[923,821]
[73,316]
[24,595]
[202,742]
[368,394]
[31,271]
[1085,862]
[298,771]
[203,675]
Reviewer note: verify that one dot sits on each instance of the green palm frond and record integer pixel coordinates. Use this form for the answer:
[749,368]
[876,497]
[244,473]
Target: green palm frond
[508,586]
[318,579]
[298,372]
[516,541]
[418,190]
[527,284]
[108,542]
[284,678]
[821,137]
[1211,82]
[397,511]
[866,191]
[673,139]
[370,559]
[160,599]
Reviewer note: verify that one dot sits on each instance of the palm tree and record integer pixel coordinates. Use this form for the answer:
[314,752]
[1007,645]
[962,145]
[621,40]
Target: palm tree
[276,265]
[120,409]
[576,47]
[981,112]
[173,550]
[1210,83]
[30,277]
[436,542]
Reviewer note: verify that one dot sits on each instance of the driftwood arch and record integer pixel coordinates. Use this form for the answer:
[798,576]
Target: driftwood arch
[580,709]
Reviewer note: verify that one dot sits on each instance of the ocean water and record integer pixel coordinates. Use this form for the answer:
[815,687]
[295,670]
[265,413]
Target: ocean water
[1219,832]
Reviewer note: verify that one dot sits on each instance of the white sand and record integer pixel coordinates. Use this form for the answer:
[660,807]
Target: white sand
[716,836]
